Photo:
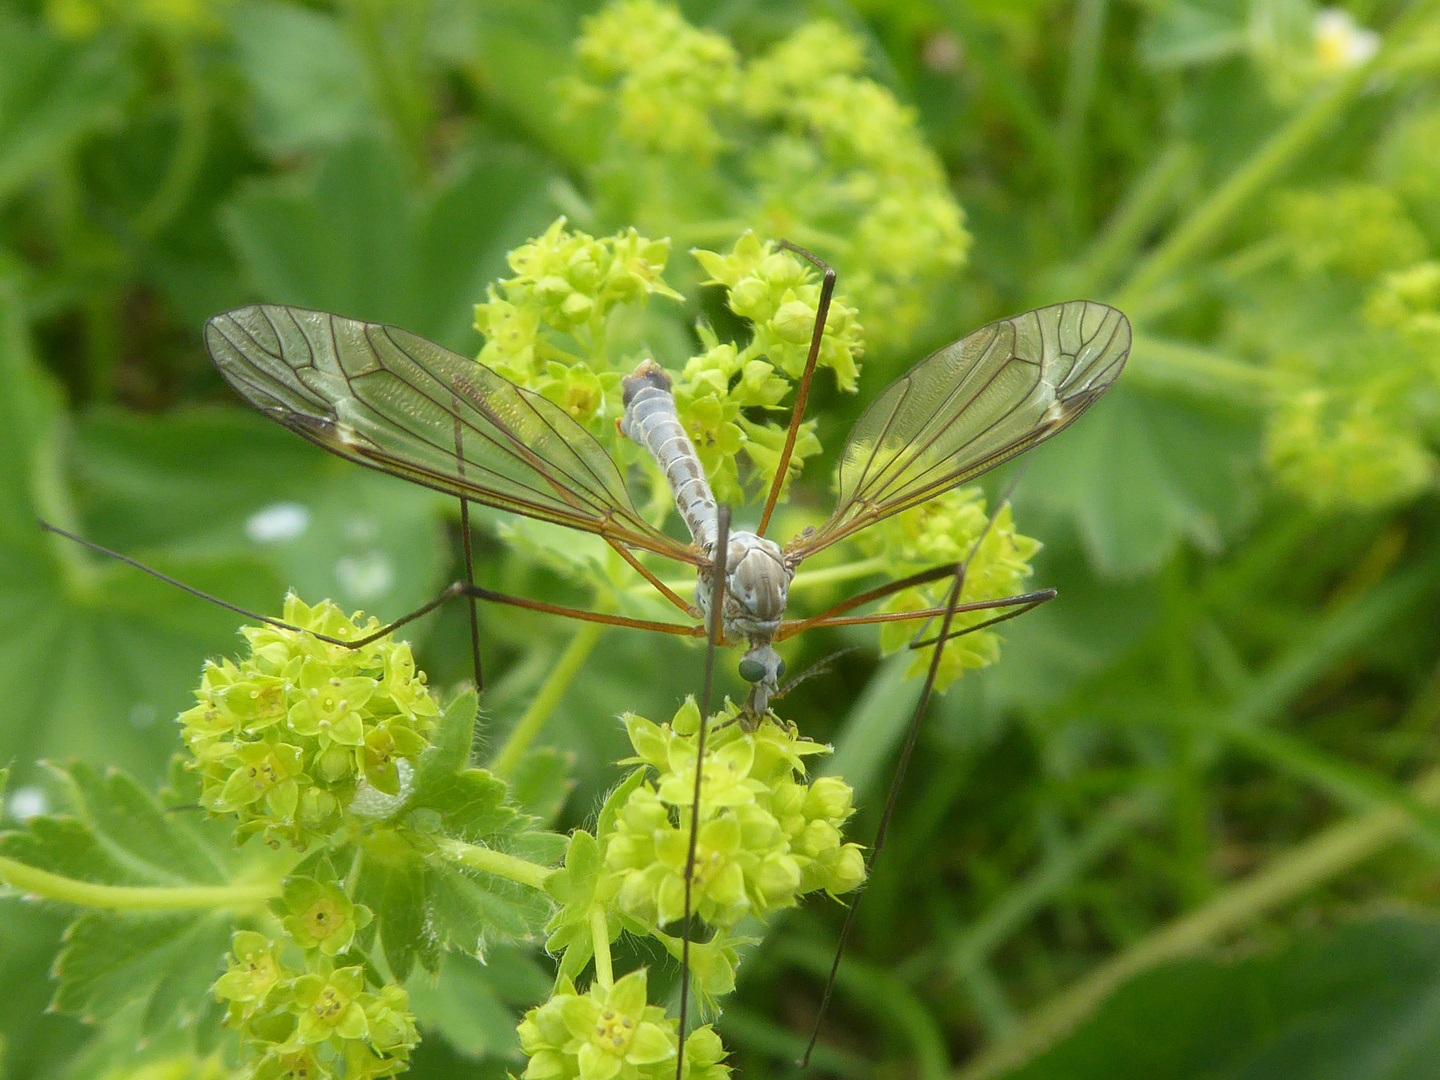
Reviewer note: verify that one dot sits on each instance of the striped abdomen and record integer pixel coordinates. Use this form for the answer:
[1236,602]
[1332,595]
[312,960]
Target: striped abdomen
[650,420]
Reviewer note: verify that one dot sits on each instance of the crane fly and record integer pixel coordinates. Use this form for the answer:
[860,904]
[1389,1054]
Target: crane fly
[393,401]
[390,400]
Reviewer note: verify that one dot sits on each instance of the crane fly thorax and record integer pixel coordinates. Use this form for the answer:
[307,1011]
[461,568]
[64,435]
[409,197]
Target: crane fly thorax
[757,586]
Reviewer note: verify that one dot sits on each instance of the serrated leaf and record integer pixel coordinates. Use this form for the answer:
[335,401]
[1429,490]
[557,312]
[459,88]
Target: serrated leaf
[308,82]
[1145,472]
[167,961]
[355,241]
[423,903]
[1359,1004]
[399,895]
[450,745]
[52,95]
[119,835]
[473,1005]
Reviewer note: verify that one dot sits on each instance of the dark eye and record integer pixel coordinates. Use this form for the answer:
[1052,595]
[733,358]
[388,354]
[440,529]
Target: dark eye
[780,670]
[751,670]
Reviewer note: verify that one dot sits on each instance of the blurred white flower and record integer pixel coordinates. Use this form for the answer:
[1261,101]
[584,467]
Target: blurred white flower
[278,521]
[27,802]
[1340,43]
[365,577]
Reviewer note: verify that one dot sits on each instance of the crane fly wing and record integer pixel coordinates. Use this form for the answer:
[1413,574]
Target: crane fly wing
[970,406]
[391,400]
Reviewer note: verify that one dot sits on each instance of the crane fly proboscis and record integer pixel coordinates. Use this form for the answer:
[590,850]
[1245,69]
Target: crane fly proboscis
[393,401]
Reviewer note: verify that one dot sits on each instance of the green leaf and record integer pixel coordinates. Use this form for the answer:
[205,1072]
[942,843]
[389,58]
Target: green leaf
[119,835]
[473,1005]
[202,483]
[1359,1004]
[1144,472]
[396,890]
[89,648]
[541,783]
[354,239]
[308,82]
[423,903]
[52,96]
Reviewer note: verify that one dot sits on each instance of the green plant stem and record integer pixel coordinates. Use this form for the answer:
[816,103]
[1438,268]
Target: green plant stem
[1175,364]
[174,190]
[889,999]
[1356,788]
[600,940]
[1151,196]
[1338,848]
[135,897]
[509,867]
[741,1027]
[1207,222]
[546,699]
[1021,902]
[1323,857]
[1085,40]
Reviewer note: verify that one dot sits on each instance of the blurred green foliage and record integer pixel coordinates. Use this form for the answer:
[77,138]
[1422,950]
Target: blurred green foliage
[1221,736]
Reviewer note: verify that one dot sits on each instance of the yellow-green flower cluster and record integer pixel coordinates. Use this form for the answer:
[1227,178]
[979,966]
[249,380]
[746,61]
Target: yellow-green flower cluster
[797,144]
[778,293]
[613,1033]
[81,18]
[547,328]
[314,1020]
[1344,452]
[287,738]
[1407,163]
[946,530]
[667,79]
[1355,229]
[848,156]
[185,1066]
[1355,327]
[765,837]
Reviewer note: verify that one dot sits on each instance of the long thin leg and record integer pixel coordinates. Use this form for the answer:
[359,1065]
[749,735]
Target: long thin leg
[822,310]
[645,572]
[891,797]
[924,577]
[458,588]
[712,636]
[99,550]
[469,559]
[1030,600]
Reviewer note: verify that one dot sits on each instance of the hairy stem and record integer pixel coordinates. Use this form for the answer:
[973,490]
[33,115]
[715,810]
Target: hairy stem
[600,939]
[135,897]
[509,867]
[546,699]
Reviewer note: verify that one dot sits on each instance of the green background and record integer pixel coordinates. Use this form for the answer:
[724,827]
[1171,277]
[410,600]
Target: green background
[1206,768]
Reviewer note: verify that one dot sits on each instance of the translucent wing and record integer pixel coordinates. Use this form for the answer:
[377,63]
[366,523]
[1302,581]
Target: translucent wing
[388,399]
[965,409]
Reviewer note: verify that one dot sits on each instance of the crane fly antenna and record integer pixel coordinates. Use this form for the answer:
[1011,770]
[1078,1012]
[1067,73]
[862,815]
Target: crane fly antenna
[469,557]
[891,797]
[822,310]
[712,640]
[820,667]
[279,624]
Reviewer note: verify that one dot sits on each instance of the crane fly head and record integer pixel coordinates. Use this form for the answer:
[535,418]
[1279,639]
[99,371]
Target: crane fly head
[757,586]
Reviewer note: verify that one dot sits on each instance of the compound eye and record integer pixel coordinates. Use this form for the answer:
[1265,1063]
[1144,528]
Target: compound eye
[751,670]
[780,670]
